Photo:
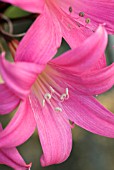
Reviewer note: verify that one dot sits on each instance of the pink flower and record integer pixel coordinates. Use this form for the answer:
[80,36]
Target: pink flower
[53,91]
[74,20]
[12,158]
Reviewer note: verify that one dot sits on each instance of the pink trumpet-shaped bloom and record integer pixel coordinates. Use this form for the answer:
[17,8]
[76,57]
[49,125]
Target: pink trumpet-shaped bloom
[12,158]
[53,91]
[74,20]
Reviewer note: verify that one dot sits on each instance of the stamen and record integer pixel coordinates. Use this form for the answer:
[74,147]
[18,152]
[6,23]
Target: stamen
[87,20]
[47,96]
[50,93]
[58,109]
[70,9]
[63,96]
[81,14]
[67,91]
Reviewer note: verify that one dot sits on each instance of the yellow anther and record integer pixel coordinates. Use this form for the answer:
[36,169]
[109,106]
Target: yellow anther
[87,20]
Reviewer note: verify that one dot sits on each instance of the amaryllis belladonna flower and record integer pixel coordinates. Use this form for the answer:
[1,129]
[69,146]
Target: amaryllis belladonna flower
[74,20]
[71,19]
[12,158]
[53,91]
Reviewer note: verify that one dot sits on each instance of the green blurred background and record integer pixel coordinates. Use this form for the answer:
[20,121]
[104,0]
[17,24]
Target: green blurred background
[89,151]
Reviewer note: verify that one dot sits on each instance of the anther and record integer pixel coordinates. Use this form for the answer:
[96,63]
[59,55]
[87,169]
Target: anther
[67,91]
[63,96]
[70,9]
[81,14]
[47,96]
[87,20]
[58,109]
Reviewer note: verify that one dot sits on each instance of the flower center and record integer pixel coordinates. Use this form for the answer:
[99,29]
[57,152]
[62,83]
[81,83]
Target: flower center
[53,98]
[49,92]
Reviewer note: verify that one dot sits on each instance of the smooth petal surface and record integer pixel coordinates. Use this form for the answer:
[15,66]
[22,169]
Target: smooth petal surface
[42,39]
[20,128]
[8,100]
[19,76]
[96,82]
[92,83]
[88,113]
[35,6]
[85,57]
[98,12]
[54,132]
[12,158]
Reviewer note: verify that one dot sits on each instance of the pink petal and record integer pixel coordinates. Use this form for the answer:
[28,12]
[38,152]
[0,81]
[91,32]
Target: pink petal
[12,158]
[42,39]
[72,32]
[35,6]
[96,82]
[85,57]
[101,63]
[75,35]
[92,83]
[20,128]
[8,100]
[82,108]
[19,76]
[88,113]
[99,12]
[54,132]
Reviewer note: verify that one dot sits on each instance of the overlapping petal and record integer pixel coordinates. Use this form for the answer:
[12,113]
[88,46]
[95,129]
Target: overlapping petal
[12,158]
[96,82]
[92,83]
[81,107]
[88,113]
[20,128]
[54,132]
[8,100]
[19,76]
[42,39]
[71,31]
[35,6]
[85,57]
